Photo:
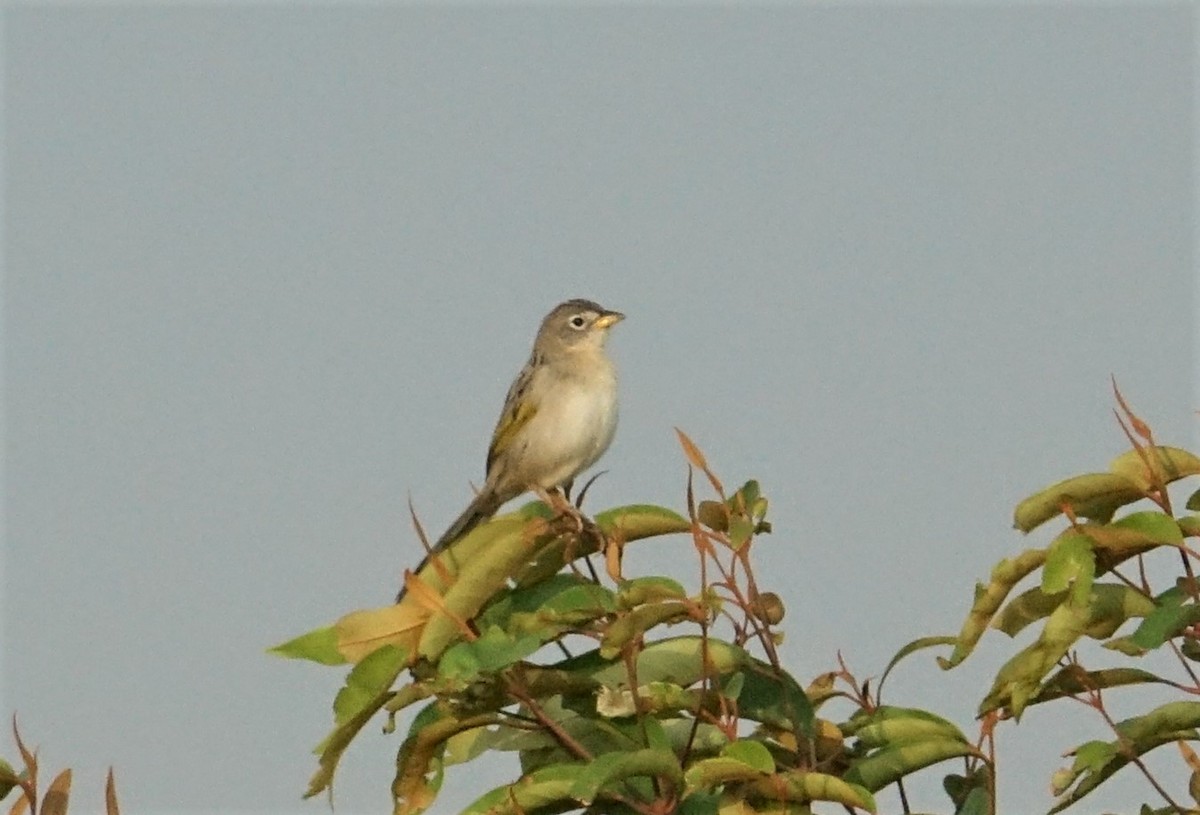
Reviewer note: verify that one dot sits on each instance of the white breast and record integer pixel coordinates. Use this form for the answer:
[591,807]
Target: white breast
[571,431]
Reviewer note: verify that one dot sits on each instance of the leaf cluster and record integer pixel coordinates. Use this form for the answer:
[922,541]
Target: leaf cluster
[631,695]
[644,695]
[1092,585]
[56,796]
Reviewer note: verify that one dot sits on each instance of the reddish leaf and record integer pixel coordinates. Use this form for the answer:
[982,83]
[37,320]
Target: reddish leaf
[110,795]
[55,802]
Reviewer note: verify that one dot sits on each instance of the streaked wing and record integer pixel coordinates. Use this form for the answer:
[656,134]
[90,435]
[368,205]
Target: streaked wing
[518,410]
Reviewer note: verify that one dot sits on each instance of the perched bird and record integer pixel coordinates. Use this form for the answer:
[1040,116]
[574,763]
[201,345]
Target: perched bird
[558,418]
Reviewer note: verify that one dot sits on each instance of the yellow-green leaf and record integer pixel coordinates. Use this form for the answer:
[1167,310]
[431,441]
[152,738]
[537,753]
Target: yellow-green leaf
[1155,465]
[810,786]
[1095,496]
[1005,575]
[1070,563]
[641,590]
[751,753]
[319,646]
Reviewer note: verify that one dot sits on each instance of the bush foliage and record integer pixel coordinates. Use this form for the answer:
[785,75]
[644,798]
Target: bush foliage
[634,694]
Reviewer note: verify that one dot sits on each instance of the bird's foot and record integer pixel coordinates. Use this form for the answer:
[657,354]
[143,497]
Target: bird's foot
[557,502]
[583,527]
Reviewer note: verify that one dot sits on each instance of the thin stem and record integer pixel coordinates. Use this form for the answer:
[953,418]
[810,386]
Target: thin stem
[1138,761]
[556,730]
[1096,700]
[1186,663]
[903,796]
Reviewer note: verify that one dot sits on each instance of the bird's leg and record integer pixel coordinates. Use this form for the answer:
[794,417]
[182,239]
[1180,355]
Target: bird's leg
[587,526]
[584,527]
[558,502]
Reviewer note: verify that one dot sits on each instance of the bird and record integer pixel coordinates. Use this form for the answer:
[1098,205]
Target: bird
[559,417]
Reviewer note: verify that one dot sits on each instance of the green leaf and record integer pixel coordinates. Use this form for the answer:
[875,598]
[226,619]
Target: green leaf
[978,802]
[890,764]
[1095,496]
[539,748]
[494,650]
[419,767]
[700,803]
[470,744]
[633,593]
[677,659]
[1126,646]
[1069,682]
[1166,622]
[1070,563]
[367,690]
[751,753]
[746,497]
[562,594]
[766,695]
[1189,525]
[714,515]
[626,524]
[379,670]
[8,778]
[334,745]
[485,559]
[563,603]
[707,739]
[751,505]
[370,678]
[1164,719]
[599,736]
[543,790]
[1109,606]
[1027,608]
[1156,527]
[656,735]
[887,725]
[1166,465]
[988,599]
[1093,755]
[632,625]
[613,767]
[638,521]
[732,687]
[775,698]
[319,646]
[1174,721]
[800,786]
[1193,501]
[712,773]
[741,529]
[488,541]
[1019,678]
[970,794]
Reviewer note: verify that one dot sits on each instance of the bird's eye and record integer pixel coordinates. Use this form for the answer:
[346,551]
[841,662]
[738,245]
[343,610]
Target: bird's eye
[577,321]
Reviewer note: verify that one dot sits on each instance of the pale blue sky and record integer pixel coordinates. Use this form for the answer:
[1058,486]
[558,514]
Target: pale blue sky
[269,271]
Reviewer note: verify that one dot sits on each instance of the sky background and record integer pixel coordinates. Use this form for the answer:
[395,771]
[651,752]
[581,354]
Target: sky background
[269,270]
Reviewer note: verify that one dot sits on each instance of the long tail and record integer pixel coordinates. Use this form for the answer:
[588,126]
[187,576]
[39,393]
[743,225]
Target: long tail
[483,507]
